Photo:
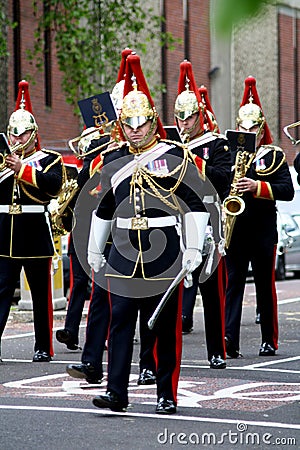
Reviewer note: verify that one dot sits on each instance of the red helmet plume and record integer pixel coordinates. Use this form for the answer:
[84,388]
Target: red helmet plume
[212,123]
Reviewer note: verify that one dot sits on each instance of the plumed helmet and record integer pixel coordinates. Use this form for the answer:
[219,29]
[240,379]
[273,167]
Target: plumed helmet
[136,109]
[22,119]
[188,100]
[186,104]
[251,113]
[138,106]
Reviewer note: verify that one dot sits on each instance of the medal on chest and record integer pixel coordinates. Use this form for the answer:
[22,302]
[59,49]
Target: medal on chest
[260,164]
[158,166]
[205,152]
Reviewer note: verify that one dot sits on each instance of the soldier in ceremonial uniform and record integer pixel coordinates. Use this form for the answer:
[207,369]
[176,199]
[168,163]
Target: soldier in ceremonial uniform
[90,143]
[147,197]
[254,231]
[91,367]
[32,177]
[196,121]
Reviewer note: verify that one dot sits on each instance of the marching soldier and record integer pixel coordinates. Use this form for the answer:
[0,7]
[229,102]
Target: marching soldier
[265,178]
[91,367]
[143,201]
[196,121]
[79,276]
[32,177]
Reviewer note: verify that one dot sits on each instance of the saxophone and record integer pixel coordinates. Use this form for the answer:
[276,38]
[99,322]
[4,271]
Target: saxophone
[61,214]
[233,205]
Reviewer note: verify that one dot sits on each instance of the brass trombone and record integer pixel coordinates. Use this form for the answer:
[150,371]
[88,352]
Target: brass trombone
[287,133]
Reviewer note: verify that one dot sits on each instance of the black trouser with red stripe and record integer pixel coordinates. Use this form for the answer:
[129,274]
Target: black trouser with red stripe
[213,299]
[167,348]
[97,328]
[79,280]
[38,274]
[263,268]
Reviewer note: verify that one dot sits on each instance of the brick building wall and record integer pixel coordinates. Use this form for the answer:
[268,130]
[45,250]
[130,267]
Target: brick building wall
[57,124]
[289,76]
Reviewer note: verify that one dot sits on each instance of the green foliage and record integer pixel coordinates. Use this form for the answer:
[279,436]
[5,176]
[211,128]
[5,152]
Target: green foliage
[4,25]
[231,12]
[89,37]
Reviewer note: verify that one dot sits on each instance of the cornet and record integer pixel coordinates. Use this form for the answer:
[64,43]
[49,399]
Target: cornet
[6,149]
[286,132]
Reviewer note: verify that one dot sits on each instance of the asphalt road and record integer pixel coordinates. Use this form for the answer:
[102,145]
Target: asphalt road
[254,403]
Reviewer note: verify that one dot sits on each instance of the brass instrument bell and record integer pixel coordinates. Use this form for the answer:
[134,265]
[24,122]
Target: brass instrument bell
[287,133]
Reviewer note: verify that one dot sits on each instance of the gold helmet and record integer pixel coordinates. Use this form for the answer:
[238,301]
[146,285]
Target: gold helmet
[21,121]
[186,105]
[250,115]
[138,106]
[136,109]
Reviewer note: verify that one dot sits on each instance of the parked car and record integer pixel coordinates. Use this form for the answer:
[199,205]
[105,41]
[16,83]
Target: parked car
[288,247]
[289,224]
[290,257]
[285,242]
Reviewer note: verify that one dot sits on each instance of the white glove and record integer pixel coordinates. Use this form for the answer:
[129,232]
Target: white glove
[99,233]
[96,260]
[194,228]
[192,258]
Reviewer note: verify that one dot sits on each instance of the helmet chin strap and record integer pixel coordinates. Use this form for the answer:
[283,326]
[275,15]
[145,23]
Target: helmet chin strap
[186,133]
[18,148]
[143,141]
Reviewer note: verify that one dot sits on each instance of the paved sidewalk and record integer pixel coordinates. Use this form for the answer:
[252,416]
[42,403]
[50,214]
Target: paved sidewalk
[16,315]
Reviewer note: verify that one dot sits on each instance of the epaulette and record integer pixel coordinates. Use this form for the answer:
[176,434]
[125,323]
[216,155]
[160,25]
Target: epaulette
[219,135]
[272,147]
[58,158]
[51,152]
[109,150]
[177,143]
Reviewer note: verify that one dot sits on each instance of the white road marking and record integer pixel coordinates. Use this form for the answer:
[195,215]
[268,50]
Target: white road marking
[106,413]
[261,366]
[288,300]
[186,394]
